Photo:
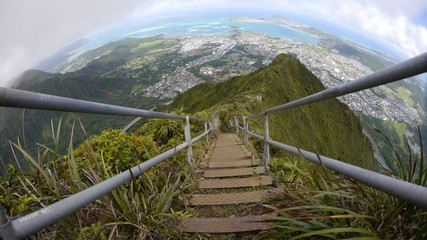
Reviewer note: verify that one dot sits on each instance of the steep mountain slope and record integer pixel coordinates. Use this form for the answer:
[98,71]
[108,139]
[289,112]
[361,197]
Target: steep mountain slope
[36,125]
[115,73]
[329,127]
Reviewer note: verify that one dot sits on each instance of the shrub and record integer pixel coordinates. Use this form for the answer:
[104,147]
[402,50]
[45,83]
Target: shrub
[119,150]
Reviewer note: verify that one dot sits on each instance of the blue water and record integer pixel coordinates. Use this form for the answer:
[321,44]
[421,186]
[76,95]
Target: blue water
[215,23]
[206,26]
[224,27]
[352,35]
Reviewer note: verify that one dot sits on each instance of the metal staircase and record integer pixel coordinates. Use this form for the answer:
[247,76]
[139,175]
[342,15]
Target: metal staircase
[225,169]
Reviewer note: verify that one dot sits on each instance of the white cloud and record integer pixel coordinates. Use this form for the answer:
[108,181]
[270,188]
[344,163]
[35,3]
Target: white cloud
[388,20]
[34,30]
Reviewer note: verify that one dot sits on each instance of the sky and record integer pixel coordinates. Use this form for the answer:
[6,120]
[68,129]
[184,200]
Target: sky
[34,30]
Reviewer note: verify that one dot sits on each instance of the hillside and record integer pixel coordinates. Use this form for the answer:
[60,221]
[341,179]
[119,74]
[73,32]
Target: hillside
[115,73]
[329,127]
[146,72]
[314,201]
[36,125]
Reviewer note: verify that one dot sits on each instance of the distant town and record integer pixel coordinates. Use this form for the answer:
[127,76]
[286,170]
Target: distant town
[244,52]
[185,62]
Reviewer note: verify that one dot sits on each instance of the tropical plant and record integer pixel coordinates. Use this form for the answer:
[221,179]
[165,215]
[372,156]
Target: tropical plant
[120,150]
[137,209]
[320,203]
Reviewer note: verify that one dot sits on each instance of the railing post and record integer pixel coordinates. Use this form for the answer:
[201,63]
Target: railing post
[245,125]
[206,129]
[237,125]
[187,136]
[266,145]
[6,231]
[211,125]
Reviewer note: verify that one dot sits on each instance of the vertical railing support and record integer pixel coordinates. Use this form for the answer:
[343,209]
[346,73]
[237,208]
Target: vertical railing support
[266,145]
[187,136]
[237,125]
[206,129]
[211,121]
[6,231]
[246,126]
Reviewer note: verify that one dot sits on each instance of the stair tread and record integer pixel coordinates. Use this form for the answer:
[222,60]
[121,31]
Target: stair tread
[229,157]
[229,198]
[237,163]
[236,182]
[225,225]
[231,172]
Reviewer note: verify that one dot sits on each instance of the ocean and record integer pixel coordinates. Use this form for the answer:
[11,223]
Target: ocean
[216,23]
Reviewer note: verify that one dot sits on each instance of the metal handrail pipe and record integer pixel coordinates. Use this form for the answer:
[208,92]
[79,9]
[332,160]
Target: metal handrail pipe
[200,136]
[408,68]
[411,193]
[30,224]
[139,118]
[198,119]
[256,135]
[131,124]
[10,97]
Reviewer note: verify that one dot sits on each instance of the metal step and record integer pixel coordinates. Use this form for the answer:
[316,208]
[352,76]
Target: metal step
[225,225]
[233,172]
[227,164]
[229,157]
[228,198]
[236,182]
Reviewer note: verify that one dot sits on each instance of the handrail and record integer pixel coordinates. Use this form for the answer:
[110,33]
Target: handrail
[412,193]
[256,135]
[33,222]
[131,124]
[408,68]
[10,97]
[27,225]
[196,118]
[409,192]
[201,135]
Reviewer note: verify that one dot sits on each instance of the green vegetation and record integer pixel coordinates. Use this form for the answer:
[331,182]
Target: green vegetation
[317,203]
[237,61]
[396,135]
[32,126]
[374,63]
[313,127]
[139,209]
[409,92]
[320,203]
[106,79]
[405,94]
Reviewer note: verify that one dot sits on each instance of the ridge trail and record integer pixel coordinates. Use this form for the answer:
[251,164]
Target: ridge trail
[231,186]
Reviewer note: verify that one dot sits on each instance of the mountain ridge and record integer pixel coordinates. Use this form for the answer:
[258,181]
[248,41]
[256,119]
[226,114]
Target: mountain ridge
[328,127]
